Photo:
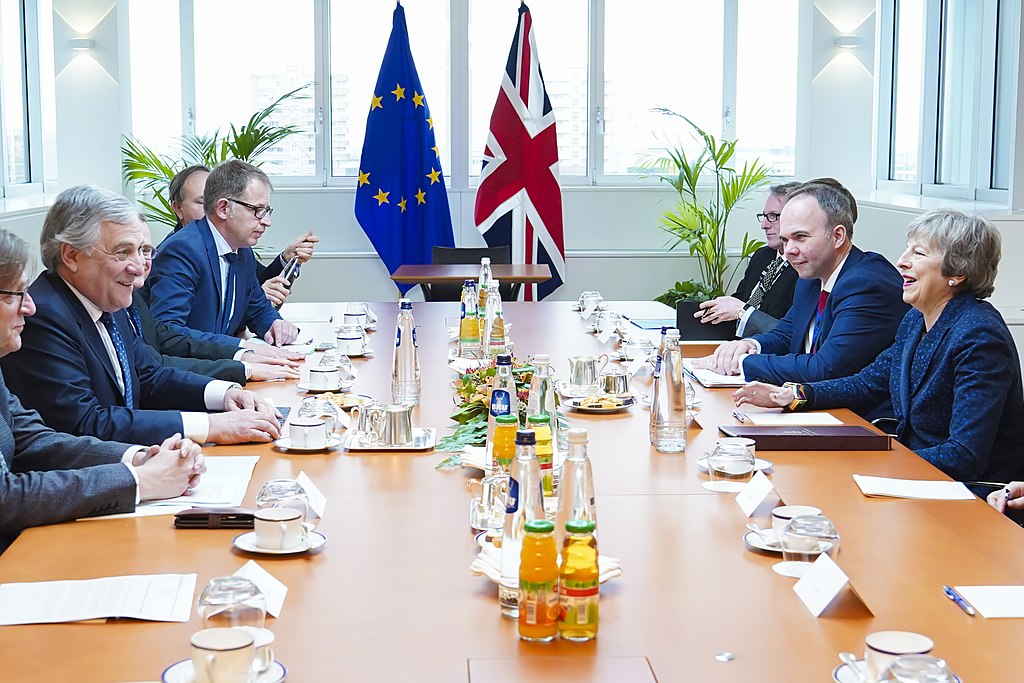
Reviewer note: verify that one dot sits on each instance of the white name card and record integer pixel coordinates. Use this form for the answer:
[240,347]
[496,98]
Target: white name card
[754,493]
[821,584]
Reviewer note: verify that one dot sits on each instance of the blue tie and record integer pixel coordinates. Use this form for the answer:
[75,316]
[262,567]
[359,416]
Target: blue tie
[229,293]
[135,320]
[122,357]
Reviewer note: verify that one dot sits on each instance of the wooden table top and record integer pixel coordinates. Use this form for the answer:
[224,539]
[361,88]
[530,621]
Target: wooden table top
[458,272]
[390,597]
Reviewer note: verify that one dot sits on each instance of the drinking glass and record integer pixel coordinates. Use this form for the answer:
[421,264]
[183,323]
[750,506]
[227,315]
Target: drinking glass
[283,493]
[232,601]
[590,297]
[808,536]
[919,669]
[732,460]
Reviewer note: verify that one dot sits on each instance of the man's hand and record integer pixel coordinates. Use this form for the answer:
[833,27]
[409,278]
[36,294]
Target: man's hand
[264,350]
[243,426]
[170,469]
[728,357]
[301,247]
[281,332]
[277,290]
[719,310]
[263,372]
[240,399]
[764,395]
[1009,498]
[286,358]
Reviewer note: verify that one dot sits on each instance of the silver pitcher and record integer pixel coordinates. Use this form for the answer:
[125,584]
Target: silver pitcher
[583,371]
[368,421]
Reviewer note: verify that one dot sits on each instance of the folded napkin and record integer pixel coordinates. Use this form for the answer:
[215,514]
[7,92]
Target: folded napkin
[488,563]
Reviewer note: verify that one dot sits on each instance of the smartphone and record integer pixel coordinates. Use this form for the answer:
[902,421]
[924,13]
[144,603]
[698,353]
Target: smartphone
[284,410]
[291,274]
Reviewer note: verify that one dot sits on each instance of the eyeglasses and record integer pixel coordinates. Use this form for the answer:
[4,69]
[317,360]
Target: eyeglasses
[257,211]
[20,295]
[121,255]
[771,217]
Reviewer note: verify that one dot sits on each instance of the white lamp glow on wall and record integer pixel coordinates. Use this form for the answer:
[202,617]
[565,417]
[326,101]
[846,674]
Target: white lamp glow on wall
[81,44]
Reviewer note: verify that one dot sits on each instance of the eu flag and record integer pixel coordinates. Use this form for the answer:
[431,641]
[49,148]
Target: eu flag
[401,201]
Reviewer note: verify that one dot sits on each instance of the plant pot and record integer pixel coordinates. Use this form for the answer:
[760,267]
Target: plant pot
[692,329]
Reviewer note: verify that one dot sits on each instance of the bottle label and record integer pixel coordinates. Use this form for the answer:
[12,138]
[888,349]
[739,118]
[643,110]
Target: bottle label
[578,603]
[512,497]
[501,402]
[463,316]
[414,342]
[540,602]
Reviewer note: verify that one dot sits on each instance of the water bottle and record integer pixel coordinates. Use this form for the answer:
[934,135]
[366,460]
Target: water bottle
[494,322]
[668,404]
[482,283]
[523,501]
[469,324]
[576,487]
[542,398]
[405,368]
[502,399]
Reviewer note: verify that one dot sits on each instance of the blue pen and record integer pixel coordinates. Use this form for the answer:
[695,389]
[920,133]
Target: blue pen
[959,600]
[739,416]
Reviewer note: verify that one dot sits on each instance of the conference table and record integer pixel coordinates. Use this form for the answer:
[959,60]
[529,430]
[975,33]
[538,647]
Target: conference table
[456,273]
[390,596]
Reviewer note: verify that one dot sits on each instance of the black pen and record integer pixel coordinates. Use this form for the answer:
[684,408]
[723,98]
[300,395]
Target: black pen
[959,600]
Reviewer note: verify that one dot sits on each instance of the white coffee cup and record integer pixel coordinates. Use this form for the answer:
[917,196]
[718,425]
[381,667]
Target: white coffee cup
[356,314]
[280,529]
[263,640]
[222,655]
[351,340]
[881,649]
[309,432]
[327,377]
[783,513]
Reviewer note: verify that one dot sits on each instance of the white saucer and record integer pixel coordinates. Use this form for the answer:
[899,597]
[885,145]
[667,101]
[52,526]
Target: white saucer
[843,674]
[724,486]
[755,540]
[367,352]
[794,570]
[760,464]
[247,542]
[182,672]
[285,444]
[345,386]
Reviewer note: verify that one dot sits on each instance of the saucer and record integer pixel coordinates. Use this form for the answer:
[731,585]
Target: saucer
[794,570]
[183,672]
[285,444]
[247,542]
[367,352]
[345,386]
[576,403]
[760,464]
[843,674]
[755,540]
[724,486]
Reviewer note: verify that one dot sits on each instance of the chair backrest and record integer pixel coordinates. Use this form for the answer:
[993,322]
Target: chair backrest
[444,292]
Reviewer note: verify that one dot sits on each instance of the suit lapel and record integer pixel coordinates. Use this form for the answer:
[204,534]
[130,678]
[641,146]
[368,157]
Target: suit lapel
[933,340]
[214,260]
[87,326]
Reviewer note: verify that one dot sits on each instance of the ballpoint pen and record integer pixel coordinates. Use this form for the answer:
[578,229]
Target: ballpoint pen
[959,600]
[739,416]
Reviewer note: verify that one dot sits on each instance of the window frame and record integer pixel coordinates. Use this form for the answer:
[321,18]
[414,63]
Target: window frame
[33,111]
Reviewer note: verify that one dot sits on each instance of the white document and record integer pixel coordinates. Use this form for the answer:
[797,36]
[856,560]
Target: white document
[156,597]
[317,500]
[142,511]
[754,493]
[995,602]
[777,419]
[821,584]
[224,484]
[272,589]
[912,488]
[712,380]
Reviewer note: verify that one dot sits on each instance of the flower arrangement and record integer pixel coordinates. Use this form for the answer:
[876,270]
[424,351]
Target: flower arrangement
[471,390]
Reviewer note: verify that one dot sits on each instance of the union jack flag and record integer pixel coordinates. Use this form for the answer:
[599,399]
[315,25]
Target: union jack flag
[519,200]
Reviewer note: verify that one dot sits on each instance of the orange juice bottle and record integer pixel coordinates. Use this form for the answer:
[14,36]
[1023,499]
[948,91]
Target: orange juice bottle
[538,583]
[578,590]
[503,447]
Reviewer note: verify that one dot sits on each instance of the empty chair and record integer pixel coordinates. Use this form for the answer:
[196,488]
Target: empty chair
[468,255]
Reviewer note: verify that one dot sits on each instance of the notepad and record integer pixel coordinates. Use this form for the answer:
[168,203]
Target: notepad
[712,380]
[773,419]
[995,602]
[912,488]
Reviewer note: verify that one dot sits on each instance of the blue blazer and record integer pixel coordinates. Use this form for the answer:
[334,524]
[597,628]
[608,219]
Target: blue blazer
[184,288]
[63,371]
[861,316]
[956,391]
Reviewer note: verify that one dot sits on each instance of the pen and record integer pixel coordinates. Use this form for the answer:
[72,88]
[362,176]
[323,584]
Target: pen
[959,600]
[739,416]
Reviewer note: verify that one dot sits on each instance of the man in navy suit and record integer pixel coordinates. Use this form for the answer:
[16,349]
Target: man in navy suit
[846,309]
[204,275]
[81,365]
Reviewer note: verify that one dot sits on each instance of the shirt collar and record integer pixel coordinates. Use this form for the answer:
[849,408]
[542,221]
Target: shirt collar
[92,309]
[831,282]
[218,240]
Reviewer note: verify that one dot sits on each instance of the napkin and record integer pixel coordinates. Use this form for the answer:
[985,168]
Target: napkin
[488,563]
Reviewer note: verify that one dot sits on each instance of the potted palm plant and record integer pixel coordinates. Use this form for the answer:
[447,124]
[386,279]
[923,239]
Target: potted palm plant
[700,223]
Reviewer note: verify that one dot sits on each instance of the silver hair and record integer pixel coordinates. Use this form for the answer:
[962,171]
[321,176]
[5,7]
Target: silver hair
[971,247]
[75,218]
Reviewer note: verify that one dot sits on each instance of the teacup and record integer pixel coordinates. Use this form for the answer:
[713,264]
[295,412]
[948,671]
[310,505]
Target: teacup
[590,298]
[783,513]
[397,425]
[280,529]
[263,640]
[222,655]
[357,314]
[614,382]
[881,649]
[351,340]
[325,377]
[310,432]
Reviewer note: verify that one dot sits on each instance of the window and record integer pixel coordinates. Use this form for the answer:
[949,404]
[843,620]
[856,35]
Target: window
[156,73]
[907,76]
[14,104]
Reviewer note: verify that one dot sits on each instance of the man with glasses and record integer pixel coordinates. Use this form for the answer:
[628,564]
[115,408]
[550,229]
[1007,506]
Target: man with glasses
[81,365]
[204,275]
[766,291]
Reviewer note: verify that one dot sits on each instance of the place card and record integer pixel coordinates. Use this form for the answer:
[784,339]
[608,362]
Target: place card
[635,365]
[272,589]
[345,419]
[754,493]
[588,311]
[821,584]
[317,500]
[603,335]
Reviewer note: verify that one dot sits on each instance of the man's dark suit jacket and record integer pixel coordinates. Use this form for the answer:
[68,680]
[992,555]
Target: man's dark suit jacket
[63,371]
[184,289]
[955,391]
[52,477]
[172,348]
[776,301]
[263,272]
[860,320]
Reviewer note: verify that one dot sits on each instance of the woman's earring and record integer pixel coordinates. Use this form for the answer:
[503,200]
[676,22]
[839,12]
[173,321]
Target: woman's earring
[952,283]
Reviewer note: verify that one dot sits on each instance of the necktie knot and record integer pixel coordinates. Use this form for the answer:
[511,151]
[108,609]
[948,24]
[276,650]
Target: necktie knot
[821,302]
[231,257]
[107,319]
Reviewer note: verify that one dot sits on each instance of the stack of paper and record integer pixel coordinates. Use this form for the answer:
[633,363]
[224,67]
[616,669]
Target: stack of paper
[777,419]
[910,488]
[712,380]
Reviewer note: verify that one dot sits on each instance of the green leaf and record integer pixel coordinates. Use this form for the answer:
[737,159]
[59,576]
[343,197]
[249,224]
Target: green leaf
[469,434]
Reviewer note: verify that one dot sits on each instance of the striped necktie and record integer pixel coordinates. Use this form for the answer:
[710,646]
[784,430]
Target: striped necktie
[768,278]
[122,357]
